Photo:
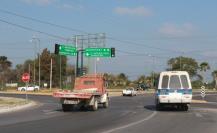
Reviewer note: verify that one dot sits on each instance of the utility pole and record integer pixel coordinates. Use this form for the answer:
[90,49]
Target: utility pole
[51,67]
[39,71]
[34,64]
[76,64]
[29,70]
[180,63]
[60,71]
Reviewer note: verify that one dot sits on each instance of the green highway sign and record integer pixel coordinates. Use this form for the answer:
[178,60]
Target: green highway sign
[98,52]
[67,50]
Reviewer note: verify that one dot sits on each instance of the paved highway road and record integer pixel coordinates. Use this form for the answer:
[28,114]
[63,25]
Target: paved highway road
[125,115]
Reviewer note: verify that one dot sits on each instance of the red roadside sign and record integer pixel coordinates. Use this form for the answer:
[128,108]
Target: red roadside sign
[25,77]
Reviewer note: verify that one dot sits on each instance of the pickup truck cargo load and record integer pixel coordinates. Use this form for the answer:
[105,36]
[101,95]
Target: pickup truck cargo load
[89,92]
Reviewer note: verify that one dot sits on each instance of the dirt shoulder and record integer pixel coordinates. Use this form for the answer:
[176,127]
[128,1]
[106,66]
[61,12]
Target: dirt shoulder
[8,104]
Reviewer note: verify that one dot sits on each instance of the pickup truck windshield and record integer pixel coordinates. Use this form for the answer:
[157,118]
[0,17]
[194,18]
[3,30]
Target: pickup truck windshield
[89,82]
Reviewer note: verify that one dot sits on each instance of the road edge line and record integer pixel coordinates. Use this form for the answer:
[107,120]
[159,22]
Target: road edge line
[131,124]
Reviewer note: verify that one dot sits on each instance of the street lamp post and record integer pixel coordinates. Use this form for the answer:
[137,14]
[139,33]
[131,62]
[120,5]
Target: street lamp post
[39,60]
[152,73]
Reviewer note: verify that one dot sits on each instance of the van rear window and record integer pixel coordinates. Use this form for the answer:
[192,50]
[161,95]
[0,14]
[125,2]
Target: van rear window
[175,82]
[184,80]
[165,81]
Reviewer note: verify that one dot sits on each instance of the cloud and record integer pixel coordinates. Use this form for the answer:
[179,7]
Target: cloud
[71,7]
[170,29]
[39,2]
[137,11]
[209,53]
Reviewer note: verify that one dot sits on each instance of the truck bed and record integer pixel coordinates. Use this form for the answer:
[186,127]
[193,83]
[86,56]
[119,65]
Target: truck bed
[72,94]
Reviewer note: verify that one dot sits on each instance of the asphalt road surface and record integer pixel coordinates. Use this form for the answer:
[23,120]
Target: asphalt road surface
[125,115]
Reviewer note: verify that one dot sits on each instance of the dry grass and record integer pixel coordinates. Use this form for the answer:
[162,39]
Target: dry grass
[7,101]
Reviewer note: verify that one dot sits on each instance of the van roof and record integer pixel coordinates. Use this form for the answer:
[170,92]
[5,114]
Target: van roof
[174,72]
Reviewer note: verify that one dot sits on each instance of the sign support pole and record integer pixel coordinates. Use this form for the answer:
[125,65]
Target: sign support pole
[26,92]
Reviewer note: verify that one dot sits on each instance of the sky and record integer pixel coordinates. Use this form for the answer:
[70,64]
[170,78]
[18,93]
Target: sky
[145,33]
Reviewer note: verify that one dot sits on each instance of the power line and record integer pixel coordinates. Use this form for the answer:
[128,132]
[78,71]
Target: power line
[30,29]
[141,54]
[139,44]
[81,31]
[40,21]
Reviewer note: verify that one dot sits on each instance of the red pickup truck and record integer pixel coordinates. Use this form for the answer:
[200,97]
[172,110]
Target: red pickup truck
[89,91]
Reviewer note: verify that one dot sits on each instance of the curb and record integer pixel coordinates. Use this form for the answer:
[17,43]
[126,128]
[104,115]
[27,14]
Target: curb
[29,93]
[198,101]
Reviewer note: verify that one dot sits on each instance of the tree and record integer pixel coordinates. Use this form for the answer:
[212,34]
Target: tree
[214,74]
[5,65]
[110,79]
[122,79]
[45,58]
[204,66]
[184,64]
[141,79]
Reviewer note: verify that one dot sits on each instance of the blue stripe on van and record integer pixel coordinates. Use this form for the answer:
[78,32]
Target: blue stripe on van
[167,91]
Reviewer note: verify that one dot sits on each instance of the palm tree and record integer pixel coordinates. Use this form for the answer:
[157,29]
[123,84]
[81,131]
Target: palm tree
[214,74]
[204,66]
[4,63]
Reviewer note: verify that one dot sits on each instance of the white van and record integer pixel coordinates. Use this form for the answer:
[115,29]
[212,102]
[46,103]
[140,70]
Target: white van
[174,88]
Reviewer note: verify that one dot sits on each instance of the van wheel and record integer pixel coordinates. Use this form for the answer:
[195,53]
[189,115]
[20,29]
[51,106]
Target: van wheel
[159,106]
[95,106]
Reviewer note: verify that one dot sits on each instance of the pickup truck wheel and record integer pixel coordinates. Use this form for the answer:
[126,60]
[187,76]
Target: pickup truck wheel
[67,107]
[22,89]
[95,106]
[185,107]
[106,104]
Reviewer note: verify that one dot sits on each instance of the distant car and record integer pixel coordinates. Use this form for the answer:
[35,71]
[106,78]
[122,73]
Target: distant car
[129,92]
[143,87]
[29,88]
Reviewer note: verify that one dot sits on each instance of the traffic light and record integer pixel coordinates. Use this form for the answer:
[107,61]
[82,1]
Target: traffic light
[57,48]
[112,52]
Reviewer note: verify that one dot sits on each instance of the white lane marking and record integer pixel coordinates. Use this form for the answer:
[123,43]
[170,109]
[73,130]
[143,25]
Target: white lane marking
[204,109]
[212,102]
[198,115]
[132,124]
[48,113]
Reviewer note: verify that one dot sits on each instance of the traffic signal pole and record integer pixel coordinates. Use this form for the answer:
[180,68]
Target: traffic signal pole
[76,64]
